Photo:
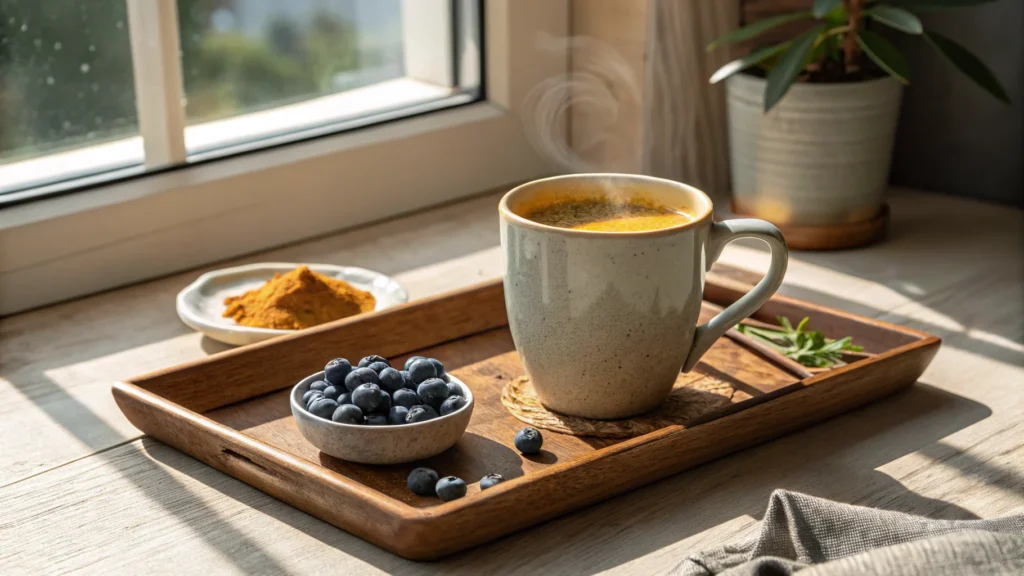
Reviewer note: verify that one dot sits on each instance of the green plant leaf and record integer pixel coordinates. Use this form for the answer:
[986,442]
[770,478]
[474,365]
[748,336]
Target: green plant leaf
[822,7]
[791,62]
[885,55]
[897,18]
[969,64]
[755,57]
[758,28]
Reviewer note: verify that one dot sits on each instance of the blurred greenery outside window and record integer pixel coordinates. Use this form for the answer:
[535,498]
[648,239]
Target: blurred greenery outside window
[66,65]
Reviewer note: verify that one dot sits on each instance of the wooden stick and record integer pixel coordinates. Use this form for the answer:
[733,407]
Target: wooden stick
[768,353]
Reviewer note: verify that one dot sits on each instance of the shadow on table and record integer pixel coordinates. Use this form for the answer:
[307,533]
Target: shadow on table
[837,459]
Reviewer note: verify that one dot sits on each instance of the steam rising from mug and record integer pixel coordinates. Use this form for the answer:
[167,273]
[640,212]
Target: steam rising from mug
[601,81]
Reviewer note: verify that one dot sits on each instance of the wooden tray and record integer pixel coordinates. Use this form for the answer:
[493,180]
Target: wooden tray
[231,411]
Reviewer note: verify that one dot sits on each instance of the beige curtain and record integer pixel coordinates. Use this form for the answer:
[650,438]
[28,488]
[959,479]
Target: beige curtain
[684,118]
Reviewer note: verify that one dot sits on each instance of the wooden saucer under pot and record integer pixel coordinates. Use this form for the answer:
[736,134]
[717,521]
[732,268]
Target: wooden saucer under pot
[834,236]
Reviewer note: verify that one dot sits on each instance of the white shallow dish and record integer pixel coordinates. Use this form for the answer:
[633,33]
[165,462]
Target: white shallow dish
[201,304]
[393,444]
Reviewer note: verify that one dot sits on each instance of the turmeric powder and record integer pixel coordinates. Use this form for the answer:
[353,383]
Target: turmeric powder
[299,299]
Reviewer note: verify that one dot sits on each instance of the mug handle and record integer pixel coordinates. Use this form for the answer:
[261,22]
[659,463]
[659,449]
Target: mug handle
[721,234]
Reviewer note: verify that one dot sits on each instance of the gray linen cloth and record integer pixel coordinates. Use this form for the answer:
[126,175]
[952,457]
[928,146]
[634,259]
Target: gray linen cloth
[817,537]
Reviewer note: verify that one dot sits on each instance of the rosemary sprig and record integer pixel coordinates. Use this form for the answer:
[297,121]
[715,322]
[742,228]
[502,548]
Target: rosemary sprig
[807,347]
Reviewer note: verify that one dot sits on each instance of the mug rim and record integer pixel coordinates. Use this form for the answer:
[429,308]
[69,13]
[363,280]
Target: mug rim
[518,220]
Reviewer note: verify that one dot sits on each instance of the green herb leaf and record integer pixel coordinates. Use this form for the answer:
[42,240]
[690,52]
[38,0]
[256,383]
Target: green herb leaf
[897,18]
[808,347]
[822,7]
[969,64]
[755,57]
[789,66]
[758,28]
[885,55]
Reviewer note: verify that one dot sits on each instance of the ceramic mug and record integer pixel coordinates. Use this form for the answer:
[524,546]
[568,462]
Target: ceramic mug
[605,321]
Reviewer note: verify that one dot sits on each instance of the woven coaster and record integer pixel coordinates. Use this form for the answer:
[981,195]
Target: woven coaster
[693,395]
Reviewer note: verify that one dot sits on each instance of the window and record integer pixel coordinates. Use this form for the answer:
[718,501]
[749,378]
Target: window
[209,78]
[277,169]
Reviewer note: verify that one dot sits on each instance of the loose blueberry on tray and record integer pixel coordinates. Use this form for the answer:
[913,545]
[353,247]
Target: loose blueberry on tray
[528,440]
[491,480]
[450,488]
[422,481]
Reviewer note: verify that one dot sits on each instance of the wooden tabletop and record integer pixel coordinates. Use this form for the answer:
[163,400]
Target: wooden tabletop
[81,490]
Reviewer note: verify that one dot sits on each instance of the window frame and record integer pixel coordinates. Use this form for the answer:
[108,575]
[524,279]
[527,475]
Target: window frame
[115,234]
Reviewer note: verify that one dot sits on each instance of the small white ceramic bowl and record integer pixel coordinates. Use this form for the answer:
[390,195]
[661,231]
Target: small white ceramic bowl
[392,444]
[201,304]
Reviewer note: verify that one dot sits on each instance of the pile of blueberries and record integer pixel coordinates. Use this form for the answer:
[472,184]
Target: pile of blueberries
[425,482]
[376,394]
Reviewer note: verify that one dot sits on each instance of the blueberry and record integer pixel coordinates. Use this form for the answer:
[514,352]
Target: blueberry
[528,440]
[491,480]
[450,488]
[454,389]
[370,398]
[407,378]
[438,367]
[308,395]
[377,420]
[332,393]
[318,385]
[360,376]
[391,380]
[348,414]
[378,367]
[411,360]
[397,415]
[336,370]
[422,481]
[405,398]
[312,399]
[323,407]
[422,370]
[420,413]
[432,392]
[371,359]
[345,398]
[451,404]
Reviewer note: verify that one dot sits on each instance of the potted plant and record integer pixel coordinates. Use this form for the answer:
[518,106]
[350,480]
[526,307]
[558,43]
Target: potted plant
[817,158]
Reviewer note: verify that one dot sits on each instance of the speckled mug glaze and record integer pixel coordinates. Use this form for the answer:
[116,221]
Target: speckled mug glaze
[605,321]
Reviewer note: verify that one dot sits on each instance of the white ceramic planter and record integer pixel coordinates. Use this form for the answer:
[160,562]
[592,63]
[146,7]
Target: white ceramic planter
[820,157]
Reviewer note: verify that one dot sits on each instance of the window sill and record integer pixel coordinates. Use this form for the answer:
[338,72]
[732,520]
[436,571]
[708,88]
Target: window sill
[245,132]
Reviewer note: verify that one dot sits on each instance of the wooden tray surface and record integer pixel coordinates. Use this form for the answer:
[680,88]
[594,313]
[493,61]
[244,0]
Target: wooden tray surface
[231,411]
